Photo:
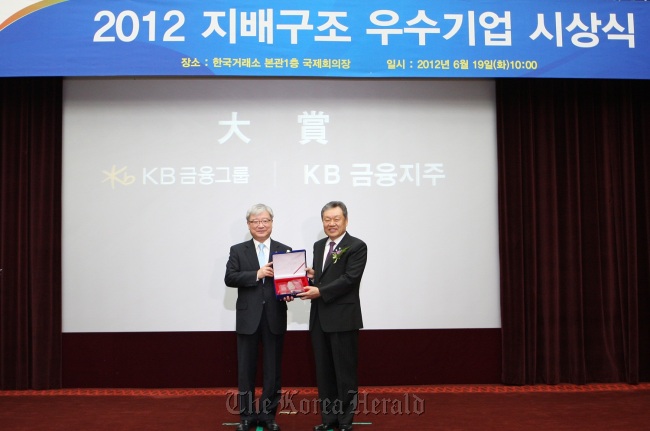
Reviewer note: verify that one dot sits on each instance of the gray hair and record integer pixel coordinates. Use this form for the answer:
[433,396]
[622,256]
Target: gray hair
[258,209]
[335,204]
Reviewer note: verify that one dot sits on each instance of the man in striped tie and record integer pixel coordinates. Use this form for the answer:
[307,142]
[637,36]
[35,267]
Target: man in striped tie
[335,316]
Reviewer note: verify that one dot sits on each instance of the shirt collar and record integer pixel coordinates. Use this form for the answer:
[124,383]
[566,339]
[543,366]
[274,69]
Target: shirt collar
[336,240]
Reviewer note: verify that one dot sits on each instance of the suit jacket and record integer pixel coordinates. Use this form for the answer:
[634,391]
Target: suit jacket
[254,295]
[339,307]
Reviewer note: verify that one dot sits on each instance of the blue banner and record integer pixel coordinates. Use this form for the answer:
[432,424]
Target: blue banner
[347,39]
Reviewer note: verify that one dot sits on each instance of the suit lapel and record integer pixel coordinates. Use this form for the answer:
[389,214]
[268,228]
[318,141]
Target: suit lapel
[319,255]
[340,246]
[251,253]
[275,248]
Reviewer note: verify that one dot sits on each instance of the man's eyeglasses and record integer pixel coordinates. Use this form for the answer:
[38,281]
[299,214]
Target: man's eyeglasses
[264,222]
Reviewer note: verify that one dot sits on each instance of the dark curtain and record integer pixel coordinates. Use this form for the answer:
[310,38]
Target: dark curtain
[574,187]
[30,233]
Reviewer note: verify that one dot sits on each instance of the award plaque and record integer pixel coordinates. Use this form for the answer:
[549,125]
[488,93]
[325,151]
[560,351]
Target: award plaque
[290,273]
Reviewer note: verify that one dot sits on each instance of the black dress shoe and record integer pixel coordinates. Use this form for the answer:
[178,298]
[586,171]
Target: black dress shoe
[245,425]
[270,425]
[324,427]
[347,427]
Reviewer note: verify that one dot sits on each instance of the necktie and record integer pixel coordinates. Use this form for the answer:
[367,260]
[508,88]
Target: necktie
[260,255]
[328,258]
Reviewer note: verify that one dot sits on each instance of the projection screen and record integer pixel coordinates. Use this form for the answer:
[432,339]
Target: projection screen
[158,175]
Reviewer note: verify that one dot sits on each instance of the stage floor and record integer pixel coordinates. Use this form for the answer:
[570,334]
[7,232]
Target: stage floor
[448,407]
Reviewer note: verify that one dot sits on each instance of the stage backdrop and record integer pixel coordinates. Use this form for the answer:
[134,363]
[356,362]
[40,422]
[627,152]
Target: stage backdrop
[159,173]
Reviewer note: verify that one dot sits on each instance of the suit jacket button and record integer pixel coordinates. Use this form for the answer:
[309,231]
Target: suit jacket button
[263,302]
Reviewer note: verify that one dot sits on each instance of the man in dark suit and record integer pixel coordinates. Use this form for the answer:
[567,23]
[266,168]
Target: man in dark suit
[260,317]
[335,318]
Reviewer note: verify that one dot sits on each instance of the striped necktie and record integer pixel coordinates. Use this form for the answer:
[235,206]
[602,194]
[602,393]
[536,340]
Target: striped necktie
[328,258]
